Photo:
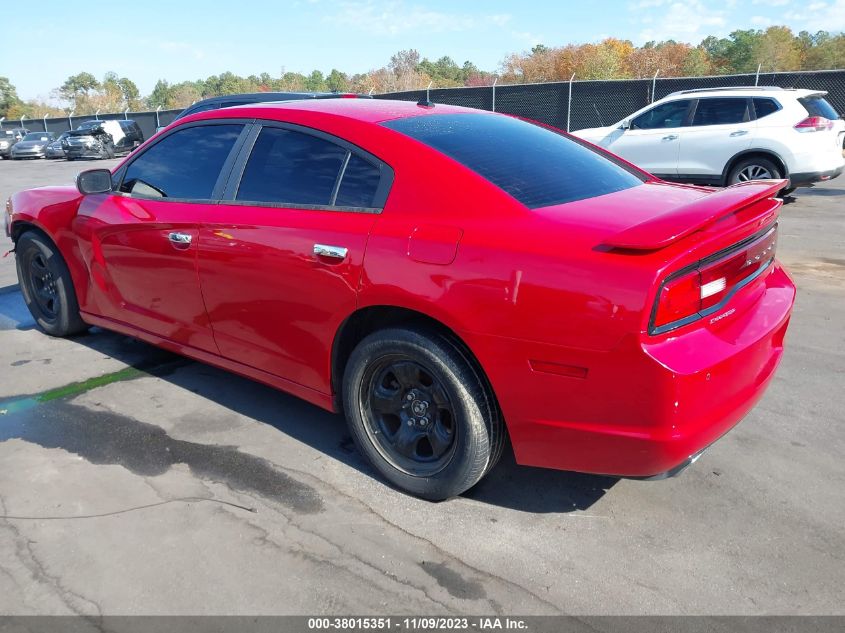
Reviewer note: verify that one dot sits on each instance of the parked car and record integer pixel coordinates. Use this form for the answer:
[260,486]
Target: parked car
[728,135]
[8,138]
[444,276]
[33,145]
[102,139]
[54,149]
[228,101]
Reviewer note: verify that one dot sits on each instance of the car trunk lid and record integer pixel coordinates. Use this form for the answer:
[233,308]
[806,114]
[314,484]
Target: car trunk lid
[675,223]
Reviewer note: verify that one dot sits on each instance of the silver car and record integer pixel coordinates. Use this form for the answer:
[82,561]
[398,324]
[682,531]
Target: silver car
[33,145]
[54,149]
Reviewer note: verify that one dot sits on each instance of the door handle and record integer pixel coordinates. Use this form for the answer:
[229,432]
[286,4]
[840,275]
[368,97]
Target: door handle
[183,239]
[739,133]
[670,137]
[333,252]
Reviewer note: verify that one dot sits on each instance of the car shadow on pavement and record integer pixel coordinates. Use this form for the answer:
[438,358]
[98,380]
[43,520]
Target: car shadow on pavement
[508,485]
[539,490]
[821,192]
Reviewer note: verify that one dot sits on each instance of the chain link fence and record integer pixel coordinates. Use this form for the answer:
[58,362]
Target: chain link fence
[599,103]
[148,121]
[593,103]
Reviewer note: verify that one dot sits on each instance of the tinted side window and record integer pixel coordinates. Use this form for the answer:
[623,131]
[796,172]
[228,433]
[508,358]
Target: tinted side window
[721,111]
[185,164]
[291,167]
[359,184]
[765,107]
[672,114]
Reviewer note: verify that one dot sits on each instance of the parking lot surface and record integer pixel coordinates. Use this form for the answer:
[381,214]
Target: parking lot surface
[144,483]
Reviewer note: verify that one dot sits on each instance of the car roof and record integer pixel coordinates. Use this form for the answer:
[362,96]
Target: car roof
[365,110]
[745,91]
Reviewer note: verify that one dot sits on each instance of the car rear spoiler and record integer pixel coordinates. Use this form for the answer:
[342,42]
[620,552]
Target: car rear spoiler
[664,229]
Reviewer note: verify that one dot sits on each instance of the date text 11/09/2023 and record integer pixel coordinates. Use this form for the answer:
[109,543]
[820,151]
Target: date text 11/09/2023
[478,623]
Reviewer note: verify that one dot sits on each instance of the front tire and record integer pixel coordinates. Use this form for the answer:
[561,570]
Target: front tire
[46,286]
[421,413]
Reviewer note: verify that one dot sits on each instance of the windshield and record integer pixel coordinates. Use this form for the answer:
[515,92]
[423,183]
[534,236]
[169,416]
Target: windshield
[535,165]
[36,136]
[88,125]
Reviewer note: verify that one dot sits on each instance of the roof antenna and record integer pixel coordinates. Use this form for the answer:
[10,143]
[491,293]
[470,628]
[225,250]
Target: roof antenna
[426,102]
[598,113]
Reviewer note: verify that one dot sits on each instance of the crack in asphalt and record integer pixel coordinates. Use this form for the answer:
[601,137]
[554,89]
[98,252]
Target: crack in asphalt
[39,573]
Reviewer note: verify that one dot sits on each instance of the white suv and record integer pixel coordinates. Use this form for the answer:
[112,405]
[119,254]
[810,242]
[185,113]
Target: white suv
[723,136]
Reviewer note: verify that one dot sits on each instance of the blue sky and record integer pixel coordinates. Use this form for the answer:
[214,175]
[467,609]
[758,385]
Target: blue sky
[181,39]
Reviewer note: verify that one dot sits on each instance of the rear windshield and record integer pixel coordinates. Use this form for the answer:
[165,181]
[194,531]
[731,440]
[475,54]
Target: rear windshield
[535,165]
[819,106]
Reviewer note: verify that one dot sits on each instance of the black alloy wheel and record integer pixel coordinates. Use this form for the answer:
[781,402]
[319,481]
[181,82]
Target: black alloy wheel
[408,415]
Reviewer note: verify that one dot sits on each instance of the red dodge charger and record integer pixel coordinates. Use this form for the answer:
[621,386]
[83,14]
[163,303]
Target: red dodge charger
[445,277]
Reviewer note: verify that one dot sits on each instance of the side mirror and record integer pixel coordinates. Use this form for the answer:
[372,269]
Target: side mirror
[94,181]
[625,125]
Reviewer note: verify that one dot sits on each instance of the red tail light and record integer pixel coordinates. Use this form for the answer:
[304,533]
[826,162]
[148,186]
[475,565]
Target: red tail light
[709,285]
[814,124]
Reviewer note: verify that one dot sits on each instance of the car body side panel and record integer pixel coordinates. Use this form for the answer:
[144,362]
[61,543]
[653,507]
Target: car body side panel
[271,301]
[138,275]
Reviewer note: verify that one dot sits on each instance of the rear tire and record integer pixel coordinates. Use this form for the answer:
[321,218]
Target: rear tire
[421,413]
[754,168]
[46,286]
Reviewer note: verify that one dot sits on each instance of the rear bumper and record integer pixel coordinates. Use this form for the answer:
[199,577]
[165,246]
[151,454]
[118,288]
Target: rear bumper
[810,177]
[649,406]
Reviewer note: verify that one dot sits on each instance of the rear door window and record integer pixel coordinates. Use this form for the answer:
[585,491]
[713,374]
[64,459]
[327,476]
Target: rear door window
[295,168]
[666,115]
[819,106]
[721,111]
[184,165]
[535,165]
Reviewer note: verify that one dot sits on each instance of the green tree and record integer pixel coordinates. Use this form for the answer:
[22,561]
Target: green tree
[337,81]
[130,92]
[778,49]
[78,87]
[822,50]
[315,82]
[697,63]
[294,82]
[8,96]
[161,95]
[742,49]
